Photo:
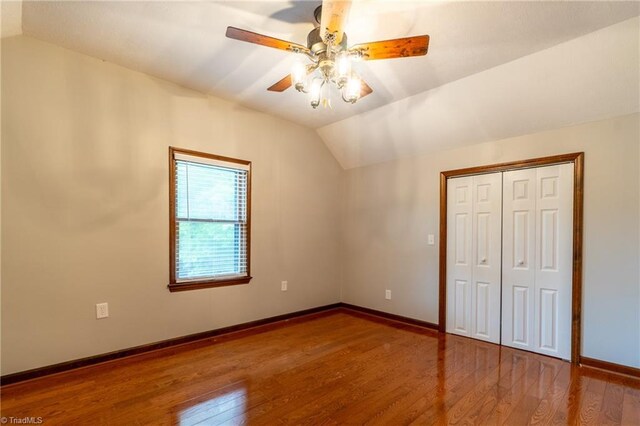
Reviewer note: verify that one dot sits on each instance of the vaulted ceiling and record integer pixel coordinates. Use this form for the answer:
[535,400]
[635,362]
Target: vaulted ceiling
[476,64]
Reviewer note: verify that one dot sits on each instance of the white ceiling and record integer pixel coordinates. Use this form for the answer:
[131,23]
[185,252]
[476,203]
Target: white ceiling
[590,78]
[184,42]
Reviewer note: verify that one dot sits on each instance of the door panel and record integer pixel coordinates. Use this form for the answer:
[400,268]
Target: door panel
[461,324]
[518,273]
[554,267]
[520,319]
[483,238]
[459,270]
[487,225]
[473,256]
[548,323]
[462,234]
[521,239]
[537,259]
[483,313]
[549,240]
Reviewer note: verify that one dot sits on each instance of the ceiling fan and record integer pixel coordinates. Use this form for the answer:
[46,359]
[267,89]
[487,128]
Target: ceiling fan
[328,56]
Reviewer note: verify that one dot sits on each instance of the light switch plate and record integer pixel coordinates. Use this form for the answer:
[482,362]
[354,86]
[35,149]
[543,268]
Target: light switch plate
[431,239]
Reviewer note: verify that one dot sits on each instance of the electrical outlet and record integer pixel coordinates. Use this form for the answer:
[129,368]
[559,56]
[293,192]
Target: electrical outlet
[387,294]
[102,310]
[284,285]
[431,239]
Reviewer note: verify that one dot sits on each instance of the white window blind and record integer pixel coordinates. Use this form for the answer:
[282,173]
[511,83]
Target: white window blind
[211,219]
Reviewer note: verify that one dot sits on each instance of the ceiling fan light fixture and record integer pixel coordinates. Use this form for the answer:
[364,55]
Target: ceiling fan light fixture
[299,75]
[343,67]
[325,95]
[315,92]
[351,91]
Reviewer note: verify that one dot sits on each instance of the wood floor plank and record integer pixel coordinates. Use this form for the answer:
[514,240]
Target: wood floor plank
[551,399]
[313,383]
[569,407]
[524,410]
[631,407]
[422,399]
[458,414]
[361,376]
[592,401]
[331,370]
[611,412]
[457,386]
[508,399]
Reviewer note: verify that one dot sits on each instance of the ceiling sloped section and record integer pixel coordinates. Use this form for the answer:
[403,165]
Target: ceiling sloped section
[184,42]
[592,77]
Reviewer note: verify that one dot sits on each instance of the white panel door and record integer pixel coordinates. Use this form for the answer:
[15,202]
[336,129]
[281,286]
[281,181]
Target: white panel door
[537,259]
[486,244]
[518,258]
[459,252]
[554,263]
[473,258]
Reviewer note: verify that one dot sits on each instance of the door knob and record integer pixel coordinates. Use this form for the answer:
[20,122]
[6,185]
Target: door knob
[483,260]
[520,262]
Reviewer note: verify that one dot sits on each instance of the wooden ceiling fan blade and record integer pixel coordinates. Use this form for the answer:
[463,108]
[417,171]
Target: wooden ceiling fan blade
[263,40]
[281,85]
[334,19]
[365,89]
[396,48]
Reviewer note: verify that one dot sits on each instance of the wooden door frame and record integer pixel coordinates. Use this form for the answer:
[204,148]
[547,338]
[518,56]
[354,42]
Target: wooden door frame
[577,159]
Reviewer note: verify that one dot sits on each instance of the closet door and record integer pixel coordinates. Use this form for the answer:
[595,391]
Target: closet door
[537,259]
[459,249]
[518,258]
[473,256]
[486,246]
[554,265]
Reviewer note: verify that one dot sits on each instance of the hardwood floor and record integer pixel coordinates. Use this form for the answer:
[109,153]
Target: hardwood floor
[336,368]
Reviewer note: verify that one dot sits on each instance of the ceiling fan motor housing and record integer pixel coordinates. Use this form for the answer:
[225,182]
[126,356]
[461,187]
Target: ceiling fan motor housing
[317,14]
[317,46]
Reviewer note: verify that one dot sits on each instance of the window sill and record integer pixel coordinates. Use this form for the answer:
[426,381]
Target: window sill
[196,285]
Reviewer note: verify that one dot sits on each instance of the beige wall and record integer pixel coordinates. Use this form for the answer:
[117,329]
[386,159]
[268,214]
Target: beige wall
[390,208]
[85,208]
[85,214]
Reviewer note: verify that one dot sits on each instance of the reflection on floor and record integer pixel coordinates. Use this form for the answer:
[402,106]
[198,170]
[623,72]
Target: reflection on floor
[334,368]
[231,400]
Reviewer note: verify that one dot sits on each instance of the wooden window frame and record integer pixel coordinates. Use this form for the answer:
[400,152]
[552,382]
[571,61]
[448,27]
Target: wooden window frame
[578,218]
[174,285]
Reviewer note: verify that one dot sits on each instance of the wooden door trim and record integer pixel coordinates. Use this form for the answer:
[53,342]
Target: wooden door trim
[577,159]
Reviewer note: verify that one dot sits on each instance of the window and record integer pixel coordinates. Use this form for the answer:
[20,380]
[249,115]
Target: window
[210,220]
